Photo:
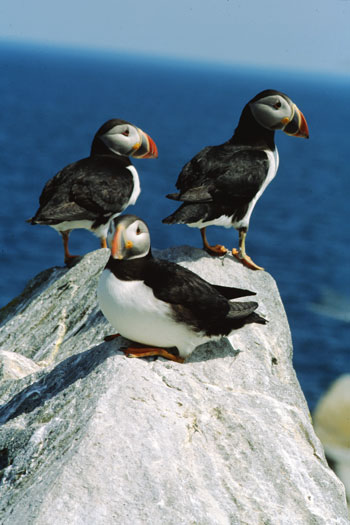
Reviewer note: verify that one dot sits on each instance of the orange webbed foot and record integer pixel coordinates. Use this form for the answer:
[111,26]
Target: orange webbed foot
[246,260]
[148,351]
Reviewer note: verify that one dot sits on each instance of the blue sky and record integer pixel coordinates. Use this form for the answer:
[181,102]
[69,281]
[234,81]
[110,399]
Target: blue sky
[310,35]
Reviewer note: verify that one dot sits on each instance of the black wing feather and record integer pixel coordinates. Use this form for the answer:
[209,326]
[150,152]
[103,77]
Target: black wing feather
[195,301]
[91,187]
[219,181]
[232,293]
[232,174]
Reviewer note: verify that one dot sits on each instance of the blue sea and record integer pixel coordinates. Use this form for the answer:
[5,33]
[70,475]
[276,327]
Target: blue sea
[51,103]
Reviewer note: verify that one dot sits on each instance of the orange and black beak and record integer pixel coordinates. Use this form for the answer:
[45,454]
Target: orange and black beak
[120,245]
[297,125]
[146,148]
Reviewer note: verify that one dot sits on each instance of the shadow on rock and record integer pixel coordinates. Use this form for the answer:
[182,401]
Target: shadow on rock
[213,350]
[61,377]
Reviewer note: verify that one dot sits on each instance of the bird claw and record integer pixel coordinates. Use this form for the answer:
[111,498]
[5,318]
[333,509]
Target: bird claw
[246,260]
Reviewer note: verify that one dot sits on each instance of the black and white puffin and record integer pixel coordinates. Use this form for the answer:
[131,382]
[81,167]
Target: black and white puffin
[221,184]
[90,192]
[160,304]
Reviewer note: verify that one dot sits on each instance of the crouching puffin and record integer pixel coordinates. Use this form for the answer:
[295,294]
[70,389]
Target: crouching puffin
[90,192]
[221,184]
[160,304]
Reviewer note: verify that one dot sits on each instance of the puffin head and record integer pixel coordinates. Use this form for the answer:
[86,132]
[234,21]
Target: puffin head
[128,237]
[123,138]
[275,110]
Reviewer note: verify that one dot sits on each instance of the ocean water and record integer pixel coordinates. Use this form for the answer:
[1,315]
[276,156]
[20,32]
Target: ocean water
[53,101]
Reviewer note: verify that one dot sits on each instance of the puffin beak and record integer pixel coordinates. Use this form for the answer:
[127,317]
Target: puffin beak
[120,245]
[297,125]
[117,243]
[146,148]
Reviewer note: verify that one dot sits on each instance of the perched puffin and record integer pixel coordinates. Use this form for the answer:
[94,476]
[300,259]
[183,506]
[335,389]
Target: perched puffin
[221,184]
[160,304]
[90,192]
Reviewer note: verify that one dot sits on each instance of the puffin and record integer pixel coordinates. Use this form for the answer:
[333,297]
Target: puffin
[221,185]
[161,305]
[90,192]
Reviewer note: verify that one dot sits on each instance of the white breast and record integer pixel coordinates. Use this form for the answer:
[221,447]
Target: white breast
[273,167]
[134,311]
[137,188]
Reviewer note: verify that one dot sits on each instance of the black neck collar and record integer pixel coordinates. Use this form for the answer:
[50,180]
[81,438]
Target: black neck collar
[250,132]
[129,269]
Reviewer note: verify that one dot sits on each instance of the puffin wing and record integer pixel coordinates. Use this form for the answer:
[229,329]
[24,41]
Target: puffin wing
[55,203]
[90,187]
[244,177]
[193,300]
[196,170]
[57,185]
[233,177]
[104,188]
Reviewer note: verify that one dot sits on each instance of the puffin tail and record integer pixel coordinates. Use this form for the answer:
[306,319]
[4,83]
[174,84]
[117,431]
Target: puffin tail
[232,293]
[244,313]
[187,213]
[173,196]
[256,318]
[170,219]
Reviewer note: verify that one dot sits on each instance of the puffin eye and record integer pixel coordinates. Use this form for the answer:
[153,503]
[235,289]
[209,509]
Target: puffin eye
[277,105]
[126,133]
[138,231]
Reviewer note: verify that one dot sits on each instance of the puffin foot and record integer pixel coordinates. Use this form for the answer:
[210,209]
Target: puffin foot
[147,352]
[216,250]
[111,337]
[246,260]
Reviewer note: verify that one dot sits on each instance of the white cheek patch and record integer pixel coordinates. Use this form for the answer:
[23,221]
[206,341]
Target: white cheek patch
[267,115]
[112,140]
[119,143]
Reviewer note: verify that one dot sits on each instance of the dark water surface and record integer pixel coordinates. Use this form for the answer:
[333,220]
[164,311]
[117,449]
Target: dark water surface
[51,104]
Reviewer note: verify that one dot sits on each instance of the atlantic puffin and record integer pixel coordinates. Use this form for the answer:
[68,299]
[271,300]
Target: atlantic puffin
[160,304]
[221,184]
[90,192]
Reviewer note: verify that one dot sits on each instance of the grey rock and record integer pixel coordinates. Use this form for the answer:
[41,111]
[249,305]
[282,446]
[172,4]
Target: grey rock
[96,438]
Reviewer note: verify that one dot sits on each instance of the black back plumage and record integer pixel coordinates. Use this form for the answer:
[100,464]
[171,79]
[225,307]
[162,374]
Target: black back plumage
[93,188]
[219,180]
[193,300]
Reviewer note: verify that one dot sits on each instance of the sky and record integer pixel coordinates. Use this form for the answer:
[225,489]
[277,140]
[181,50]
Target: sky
[307,35]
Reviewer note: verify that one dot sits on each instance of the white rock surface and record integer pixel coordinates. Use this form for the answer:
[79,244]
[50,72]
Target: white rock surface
[15,366]
[97,438]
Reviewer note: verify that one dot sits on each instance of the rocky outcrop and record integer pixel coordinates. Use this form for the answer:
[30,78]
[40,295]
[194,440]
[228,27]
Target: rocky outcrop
[332,425]
[89,436]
